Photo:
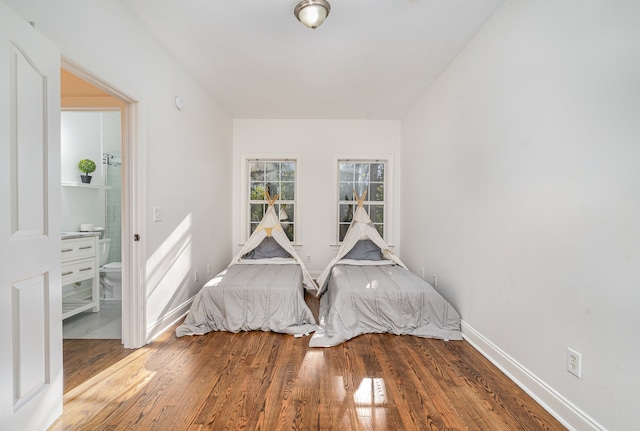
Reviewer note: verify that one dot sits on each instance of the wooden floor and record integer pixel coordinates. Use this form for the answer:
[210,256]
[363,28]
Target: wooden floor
[269,381]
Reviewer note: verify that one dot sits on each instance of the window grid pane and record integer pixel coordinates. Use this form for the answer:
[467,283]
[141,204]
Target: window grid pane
[257,171]
[361,176]
[278,178]
[257,212]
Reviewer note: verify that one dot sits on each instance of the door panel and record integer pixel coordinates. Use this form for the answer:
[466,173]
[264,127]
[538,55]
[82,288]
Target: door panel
[30,283]
[28,144]
[29,337]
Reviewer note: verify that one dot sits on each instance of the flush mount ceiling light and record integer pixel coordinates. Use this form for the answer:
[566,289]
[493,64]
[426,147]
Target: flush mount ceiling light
[312,13]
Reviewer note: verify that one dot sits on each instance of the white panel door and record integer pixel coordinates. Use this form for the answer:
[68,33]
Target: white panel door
[30,292]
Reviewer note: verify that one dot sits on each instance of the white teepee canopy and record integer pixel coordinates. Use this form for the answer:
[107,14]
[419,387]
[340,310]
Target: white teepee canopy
[270,227]
[361,228]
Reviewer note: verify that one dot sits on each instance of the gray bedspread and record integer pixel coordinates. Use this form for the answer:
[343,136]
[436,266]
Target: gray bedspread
[251,297]
[382,299]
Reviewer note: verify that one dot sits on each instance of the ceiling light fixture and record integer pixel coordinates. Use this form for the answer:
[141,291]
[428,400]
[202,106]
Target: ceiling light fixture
[312,13]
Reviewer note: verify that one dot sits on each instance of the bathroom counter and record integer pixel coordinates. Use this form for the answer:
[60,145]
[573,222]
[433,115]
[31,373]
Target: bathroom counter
[71,235]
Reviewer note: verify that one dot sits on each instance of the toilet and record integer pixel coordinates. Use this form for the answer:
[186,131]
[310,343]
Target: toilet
[110,273]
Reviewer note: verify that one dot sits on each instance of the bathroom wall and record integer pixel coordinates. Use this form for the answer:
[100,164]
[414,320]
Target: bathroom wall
[81,138]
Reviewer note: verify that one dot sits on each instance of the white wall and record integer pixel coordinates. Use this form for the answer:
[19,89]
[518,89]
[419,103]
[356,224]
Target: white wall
[316,143]
[187,151]
[81,138]
[90,134]
[524,155]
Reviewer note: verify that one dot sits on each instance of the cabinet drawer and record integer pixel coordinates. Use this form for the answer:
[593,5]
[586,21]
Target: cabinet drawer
[78,248]
[78,270]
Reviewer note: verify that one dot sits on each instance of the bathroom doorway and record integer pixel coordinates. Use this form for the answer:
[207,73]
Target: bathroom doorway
[91,128]
[94,134]
[120,198]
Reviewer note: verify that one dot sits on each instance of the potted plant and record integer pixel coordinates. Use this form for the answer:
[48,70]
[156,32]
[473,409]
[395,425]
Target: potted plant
[87,166]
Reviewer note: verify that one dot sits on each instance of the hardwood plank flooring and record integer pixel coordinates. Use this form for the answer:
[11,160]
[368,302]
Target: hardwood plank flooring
[84,358]
[268,381]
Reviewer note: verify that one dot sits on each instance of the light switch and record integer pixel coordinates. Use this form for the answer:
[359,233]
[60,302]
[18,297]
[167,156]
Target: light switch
[157,214]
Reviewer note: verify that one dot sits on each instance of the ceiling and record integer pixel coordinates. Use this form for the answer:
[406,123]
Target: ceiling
[371,59]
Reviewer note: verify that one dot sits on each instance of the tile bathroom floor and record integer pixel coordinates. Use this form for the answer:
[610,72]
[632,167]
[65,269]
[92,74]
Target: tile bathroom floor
[107,323]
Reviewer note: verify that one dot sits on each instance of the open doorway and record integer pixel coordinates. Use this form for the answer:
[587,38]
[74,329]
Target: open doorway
[121,202]
[91,129]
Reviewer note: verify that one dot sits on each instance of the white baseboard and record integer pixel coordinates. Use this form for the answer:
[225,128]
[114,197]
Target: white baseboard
[161,325]
[561,408]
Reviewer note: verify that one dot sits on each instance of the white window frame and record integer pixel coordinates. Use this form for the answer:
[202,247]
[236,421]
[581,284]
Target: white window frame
[245,193]
[387,159]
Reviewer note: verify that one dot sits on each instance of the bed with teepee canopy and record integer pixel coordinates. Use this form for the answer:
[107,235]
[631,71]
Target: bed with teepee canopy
[367,289]
[262,289]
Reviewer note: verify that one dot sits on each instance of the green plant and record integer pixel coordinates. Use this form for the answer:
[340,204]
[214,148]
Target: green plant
[87,166]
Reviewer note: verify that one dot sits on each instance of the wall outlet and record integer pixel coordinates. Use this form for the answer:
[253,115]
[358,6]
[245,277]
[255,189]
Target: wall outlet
[422,269]
[308,258]
[435,280]
[195,276]
[209,269]
[574,362]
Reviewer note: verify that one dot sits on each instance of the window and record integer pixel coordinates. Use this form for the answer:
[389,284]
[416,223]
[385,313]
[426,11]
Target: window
[361,176]
[278,177]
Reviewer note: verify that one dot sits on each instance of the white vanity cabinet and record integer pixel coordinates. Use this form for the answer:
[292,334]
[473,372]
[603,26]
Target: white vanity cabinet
[79,264]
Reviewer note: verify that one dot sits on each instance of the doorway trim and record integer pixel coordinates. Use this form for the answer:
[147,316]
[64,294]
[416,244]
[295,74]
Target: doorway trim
[133,209]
